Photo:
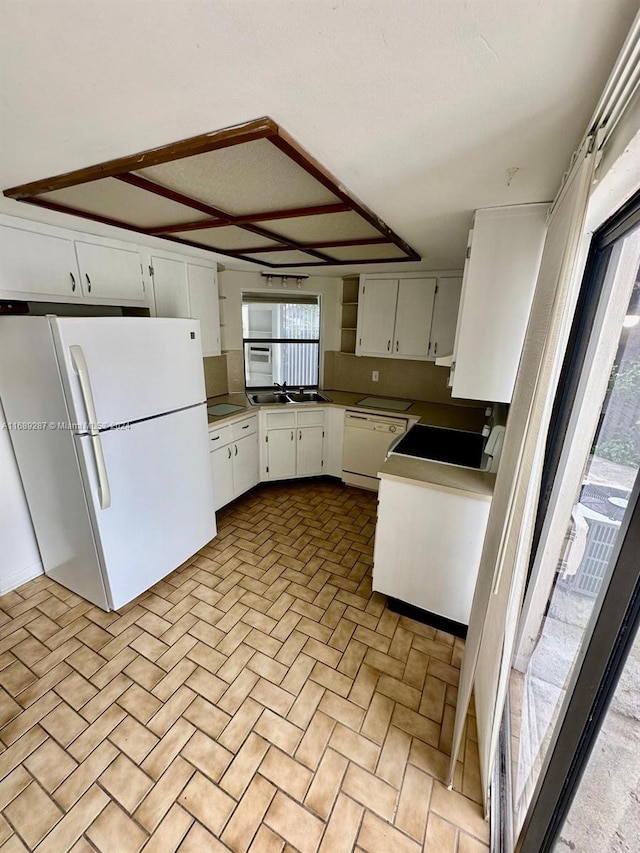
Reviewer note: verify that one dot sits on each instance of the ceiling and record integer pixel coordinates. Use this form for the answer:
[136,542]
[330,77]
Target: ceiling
[424,109]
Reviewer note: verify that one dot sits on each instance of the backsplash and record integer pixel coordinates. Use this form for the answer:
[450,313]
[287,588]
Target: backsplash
[414,380]
[235,370]
[215,375]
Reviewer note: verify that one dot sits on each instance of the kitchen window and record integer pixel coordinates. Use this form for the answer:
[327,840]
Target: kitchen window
[281,340]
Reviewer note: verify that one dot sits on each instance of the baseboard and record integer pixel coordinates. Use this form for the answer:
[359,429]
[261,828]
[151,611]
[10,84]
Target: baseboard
[372,484]
[441,623]
[18,577]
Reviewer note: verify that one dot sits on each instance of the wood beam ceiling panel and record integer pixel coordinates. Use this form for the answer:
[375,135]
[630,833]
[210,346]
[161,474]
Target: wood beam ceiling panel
[313,212]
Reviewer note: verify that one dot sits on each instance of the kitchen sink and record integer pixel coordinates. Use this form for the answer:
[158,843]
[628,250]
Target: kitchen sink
[269,397]
[307,397]
[281,398]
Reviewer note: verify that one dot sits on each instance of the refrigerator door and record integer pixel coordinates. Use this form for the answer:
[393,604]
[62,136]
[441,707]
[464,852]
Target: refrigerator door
[138,367]
[161,509]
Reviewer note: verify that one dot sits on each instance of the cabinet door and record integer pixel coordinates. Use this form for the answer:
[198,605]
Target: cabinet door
[170,288]
[245,464]
[110,273]
[413,317]
[500,281]
[376,316]
[445,314]
[203,298]
[38,264]
[281,453]
[222,475]
[309,453]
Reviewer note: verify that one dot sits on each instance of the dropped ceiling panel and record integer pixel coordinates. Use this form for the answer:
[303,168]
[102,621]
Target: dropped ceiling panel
[248,191]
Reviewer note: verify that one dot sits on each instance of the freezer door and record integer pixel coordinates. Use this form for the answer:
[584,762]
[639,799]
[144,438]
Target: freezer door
[161,509]
[138,367]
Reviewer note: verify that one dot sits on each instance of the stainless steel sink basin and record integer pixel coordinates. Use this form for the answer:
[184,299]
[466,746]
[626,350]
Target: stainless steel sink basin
[308,397]
[270,397]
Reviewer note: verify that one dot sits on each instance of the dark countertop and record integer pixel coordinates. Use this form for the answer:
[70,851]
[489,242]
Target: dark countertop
[437,475]
[435,414]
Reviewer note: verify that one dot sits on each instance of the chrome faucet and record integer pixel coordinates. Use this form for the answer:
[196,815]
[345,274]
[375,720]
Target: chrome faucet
[283,387]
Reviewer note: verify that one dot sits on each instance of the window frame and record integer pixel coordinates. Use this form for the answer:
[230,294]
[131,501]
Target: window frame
[264,340]
[617,622]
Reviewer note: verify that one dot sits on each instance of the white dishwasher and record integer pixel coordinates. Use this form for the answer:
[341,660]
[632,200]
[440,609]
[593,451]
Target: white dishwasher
[367,438]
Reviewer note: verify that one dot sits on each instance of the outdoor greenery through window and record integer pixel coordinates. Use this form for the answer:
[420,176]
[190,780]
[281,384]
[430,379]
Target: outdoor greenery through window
[281,339]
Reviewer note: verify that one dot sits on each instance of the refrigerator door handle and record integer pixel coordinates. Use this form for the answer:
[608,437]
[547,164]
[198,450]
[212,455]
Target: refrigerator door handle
[80,365]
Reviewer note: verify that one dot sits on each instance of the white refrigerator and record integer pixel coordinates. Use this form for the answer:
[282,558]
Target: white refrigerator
[108,421]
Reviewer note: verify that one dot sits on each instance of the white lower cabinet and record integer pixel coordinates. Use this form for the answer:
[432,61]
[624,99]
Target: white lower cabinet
[234,459]
[245,464]
[281,453]
[309,451]
[294,443]
[428,546]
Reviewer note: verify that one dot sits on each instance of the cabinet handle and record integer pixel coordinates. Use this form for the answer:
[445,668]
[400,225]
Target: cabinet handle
[229,453]
[291,435]
[236,447]
[388,346]
[86,275]
[215,438]
[299,435]
[397,345]
[435,348]
[246,426]
[73,282]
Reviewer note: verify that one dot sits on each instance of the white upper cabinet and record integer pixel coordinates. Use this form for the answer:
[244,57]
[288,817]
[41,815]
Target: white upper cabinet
[376,315]
[445,314]
[404,317]
[109,273]
[203,298]
[170,287]
[414,311]
[184,288]
[40,262]
[35,265]
[499,282]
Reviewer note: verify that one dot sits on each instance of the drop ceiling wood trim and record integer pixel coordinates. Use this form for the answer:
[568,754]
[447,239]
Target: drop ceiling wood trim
[262,128]
[291,213]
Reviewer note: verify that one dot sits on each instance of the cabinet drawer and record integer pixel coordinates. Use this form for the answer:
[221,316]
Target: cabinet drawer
[219,437]
[247,426]
[311,417]
[281,419]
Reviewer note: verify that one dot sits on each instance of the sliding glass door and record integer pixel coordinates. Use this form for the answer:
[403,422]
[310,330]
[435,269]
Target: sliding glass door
[592,466]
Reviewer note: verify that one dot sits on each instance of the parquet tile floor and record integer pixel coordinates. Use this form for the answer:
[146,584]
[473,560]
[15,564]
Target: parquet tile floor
[260,698]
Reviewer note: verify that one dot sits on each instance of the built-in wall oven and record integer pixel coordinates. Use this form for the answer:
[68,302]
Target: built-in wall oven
[367,438]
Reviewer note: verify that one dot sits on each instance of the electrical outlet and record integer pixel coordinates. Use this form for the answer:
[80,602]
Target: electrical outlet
[375,375]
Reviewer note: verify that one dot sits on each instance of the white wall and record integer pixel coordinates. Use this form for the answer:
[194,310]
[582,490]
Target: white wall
[19,555]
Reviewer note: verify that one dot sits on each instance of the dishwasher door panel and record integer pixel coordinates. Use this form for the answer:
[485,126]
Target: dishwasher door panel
[366,442]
